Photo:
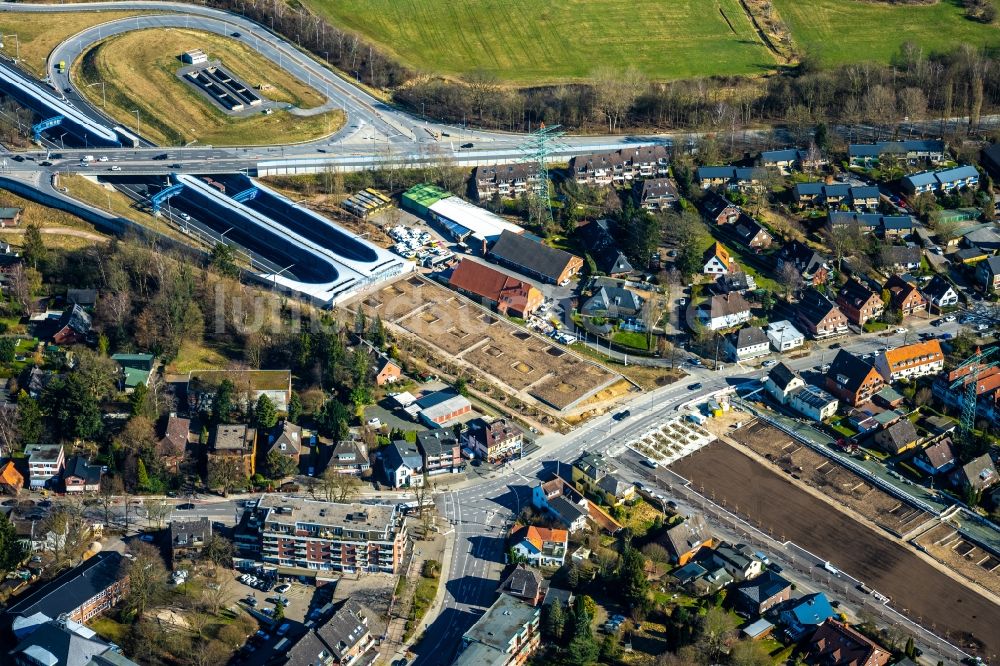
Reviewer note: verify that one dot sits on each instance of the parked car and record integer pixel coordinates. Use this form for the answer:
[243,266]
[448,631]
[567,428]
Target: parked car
[284,587]
[694,387]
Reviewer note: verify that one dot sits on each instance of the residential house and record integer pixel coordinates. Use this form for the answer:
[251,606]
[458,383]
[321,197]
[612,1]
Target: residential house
[613,303]
[11,480]
[596,475]
[541,546]
[716,261]
[136,370]
[305,536]
[921,150]
[784,336]
[714,579]
[619,166]
[945,180]
[761,594]
[940,293]
[987,387]
[819,316]
[64,643]
[440,450]
[814,403]
[717,209]
[888,226]
[820,194]
[600,244]
[74,326]
[534,258]
[897,259]
[782,382]
[10,217]
[900,436]
[561,501]
[403,466]
[752,234]
[977,475]
[916,360]
[525,584]
[387,371]
[790,159]
[494,440]
[730,177]
[739,282]
[79,594]
[747,343]
[45,464]
[859,303]
[988,274]
[81,477]
[172,445]
[938,458]
[235,441]
[348,634]
[440,407]
[507,634]
[188,538]
[286,439]
[806,613]
[904,297]
[837,644]
[495,289]
[738,560]
[852,379]
[686,538]
[349,456]
[656,194]
[864,197]
[507,181]
[810,264]
[725,311]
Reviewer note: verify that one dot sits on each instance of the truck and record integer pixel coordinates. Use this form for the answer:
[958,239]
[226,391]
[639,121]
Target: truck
[62,66]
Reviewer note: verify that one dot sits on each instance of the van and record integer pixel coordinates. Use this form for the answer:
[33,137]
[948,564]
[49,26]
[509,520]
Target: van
[87,158]
[283,629]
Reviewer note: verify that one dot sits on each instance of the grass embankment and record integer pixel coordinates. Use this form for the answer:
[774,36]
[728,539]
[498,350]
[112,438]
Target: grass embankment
[60,230]
[38,35]
[527,42]
[109,199]
[841,31]
[197,357]
[139,70]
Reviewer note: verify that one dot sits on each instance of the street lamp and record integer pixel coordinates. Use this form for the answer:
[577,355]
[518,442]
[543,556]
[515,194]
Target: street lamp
[136,111]
[17,45]
[104,98]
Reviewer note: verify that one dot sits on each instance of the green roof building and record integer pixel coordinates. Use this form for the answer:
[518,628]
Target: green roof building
[419,198]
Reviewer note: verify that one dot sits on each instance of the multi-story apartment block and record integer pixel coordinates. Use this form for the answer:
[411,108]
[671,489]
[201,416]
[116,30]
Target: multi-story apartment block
[325,536]
[45,463]
[505,635]
[619,166]
[508,181]
[79,594]
[495,440]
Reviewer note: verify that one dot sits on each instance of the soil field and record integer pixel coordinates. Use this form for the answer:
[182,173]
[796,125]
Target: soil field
[831,479]
[947,546]
[515,357]
[929,595]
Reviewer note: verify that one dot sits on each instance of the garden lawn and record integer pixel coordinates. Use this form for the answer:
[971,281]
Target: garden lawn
[529,42]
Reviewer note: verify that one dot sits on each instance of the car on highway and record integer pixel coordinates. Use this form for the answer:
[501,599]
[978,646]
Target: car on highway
[102,158]
[85,164]
[176,166]
[185,507]
[236,35]
[650,463]
[45,163]
[184,216]
[467,145]
[115,167]
[161,156]
[622,415]
[694,387]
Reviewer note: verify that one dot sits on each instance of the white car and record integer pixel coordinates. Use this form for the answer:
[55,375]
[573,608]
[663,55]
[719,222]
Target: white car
[116,168]
[768,363]
[375,422]
[103,158]
[901,330]
[950,318]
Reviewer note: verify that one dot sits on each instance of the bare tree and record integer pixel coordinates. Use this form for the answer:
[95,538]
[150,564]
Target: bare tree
[616,91]
[147,577]
[157,511]
[338,487]
[9,432]
[111,486]
[791,279]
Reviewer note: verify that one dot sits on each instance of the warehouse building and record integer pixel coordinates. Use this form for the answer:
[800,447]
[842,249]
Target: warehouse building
[535,259]
[463,221]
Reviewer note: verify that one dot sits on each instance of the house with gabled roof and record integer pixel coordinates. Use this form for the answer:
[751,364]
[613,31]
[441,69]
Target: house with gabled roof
[761,594]
[717,260]
[172,445]
[752,234]
[717,209]
[988,273]
[80,476]
[534,259]
[811,265]
[837,644]
[613,303]
[541,546]
[74,326]
[853,379]
[600,244]
[495,289]
[524,583]
[739,281]
[724,311]
[806,613]
[286,439]
[782,382]
[656,194]
[859,303]
[11,480]
[904,296]
[978,474]
[938,458]
[916,360]
[686,538]
[900,436]
[747,343]
[403,465]
[940,293]
[819,316]
[897,259]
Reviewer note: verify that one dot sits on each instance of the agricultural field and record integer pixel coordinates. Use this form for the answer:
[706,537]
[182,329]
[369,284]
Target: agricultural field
[843,31]
[139,70]
[528,42]
[789,512]
[36,38]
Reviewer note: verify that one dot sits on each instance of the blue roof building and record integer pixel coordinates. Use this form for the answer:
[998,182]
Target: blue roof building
[807,613]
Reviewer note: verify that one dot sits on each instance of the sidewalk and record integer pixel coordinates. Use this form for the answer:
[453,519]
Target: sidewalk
[437,604]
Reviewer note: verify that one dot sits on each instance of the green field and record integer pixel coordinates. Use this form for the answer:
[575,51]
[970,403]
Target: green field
[526,41]
[843,31]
